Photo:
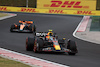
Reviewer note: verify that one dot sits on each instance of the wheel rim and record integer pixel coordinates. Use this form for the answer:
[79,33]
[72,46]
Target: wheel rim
[35,47]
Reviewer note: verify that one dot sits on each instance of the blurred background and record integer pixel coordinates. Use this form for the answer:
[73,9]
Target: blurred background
[18,3]
[98,5]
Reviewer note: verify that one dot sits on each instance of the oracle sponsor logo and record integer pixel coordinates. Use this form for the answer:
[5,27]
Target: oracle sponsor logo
[56,11]
[66,4]
[28,10]
[85,12]
[4,9]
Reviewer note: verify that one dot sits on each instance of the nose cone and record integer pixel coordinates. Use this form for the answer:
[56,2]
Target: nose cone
[57,47]
[21,27]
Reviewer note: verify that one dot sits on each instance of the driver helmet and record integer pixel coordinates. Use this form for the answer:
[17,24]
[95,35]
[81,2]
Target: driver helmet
[50,32]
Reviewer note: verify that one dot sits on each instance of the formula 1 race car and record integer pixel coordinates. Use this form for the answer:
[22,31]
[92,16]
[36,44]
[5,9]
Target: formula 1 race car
[44,42]
[23,26]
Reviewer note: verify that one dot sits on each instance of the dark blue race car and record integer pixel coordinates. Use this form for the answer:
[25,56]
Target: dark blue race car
[44,42]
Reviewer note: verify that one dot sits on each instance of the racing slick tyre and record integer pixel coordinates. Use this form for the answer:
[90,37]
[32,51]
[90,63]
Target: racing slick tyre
[12,27]
[29,43]
[38,45]
[72,46]
[32,28]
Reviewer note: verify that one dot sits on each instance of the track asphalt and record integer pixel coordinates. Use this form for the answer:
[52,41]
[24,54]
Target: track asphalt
[89,53]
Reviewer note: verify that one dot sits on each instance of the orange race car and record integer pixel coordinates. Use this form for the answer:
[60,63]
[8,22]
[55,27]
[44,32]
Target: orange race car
[23,26]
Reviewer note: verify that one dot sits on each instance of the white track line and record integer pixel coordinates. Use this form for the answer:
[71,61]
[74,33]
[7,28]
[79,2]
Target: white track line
[10,15]
[77,29]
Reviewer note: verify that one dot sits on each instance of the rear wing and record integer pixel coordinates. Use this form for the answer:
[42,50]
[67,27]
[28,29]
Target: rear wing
[41,34]
[28,22]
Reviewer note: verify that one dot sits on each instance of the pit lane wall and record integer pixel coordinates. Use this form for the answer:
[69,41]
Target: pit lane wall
[67,4]
[49,11]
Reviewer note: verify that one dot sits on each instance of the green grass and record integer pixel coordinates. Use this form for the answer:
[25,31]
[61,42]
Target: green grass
[95,18]
[2,14]
[10,63]
[95,24]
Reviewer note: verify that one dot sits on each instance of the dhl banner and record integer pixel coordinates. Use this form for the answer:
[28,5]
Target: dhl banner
[49,11]
[67,4]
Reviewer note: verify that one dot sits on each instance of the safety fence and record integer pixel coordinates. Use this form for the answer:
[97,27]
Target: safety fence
[33,3]
[67,4]
[49,11]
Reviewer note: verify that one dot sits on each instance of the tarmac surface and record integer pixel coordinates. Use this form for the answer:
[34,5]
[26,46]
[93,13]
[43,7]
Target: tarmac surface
[89,53]
[90,36]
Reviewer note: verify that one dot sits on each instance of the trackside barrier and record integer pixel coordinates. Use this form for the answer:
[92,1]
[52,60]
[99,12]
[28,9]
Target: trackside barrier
[67,4]
[49,11]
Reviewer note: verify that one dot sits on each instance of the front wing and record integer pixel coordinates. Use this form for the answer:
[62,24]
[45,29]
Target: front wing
[51,49]
[18,30]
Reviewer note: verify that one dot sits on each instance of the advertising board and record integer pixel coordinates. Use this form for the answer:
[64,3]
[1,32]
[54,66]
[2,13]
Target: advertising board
[49,11]
[67,4]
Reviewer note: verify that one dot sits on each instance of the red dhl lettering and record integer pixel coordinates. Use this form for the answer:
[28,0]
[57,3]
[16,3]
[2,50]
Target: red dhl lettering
[69,4]
[27,10]
[3,8]
[84,12]
[56,11]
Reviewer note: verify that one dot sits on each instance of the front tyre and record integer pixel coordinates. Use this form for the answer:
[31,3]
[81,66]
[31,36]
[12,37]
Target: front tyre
[12,27]
[38,45]
[29,44]
[36,48]
[32,28]
[72,46]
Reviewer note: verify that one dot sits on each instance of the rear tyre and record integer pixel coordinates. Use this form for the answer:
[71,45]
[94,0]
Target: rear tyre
[29,43]
[72,46]
[38,45]
[32,28]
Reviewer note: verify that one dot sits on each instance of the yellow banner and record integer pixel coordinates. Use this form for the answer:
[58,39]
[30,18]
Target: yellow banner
[67,4]
[49,11]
